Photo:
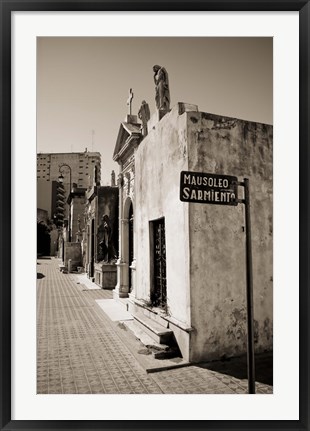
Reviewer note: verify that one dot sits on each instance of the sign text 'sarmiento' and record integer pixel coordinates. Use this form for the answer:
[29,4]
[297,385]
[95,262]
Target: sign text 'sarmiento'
[208,188]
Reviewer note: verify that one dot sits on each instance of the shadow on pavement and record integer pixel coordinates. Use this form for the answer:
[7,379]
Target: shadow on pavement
[39,275]
[44,257]
[237,367]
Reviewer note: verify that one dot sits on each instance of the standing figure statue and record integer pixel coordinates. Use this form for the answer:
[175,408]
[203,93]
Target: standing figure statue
[107,252]
[162,94]
[113,179]
[144,115]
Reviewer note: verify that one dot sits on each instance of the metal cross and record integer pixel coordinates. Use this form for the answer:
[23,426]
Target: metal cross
[129,101]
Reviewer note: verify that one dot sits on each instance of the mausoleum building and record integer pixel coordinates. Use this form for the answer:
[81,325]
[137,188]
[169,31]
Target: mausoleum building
[182,265]
[100,237]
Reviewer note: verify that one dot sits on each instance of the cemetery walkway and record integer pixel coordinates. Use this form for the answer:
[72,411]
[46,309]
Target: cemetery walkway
[80,349]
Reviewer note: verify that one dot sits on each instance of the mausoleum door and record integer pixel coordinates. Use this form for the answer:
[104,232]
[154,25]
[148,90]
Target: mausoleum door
[159,293]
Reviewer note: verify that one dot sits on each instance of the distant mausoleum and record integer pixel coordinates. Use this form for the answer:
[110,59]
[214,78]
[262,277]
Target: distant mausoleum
[100,239]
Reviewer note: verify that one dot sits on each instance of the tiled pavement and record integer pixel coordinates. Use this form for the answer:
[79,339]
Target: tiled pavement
[80,350]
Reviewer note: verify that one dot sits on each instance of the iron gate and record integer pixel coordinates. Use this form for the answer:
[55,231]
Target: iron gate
[159,294]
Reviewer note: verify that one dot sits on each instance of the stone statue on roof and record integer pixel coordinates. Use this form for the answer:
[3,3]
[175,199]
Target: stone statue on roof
[162,94]
[144,115]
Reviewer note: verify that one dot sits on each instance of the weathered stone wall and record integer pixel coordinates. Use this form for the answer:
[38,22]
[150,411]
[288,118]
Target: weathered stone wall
[77,213]
[158,162]
[217,237]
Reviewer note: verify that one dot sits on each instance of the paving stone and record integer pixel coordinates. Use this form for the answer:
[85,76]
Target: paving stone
[79,349]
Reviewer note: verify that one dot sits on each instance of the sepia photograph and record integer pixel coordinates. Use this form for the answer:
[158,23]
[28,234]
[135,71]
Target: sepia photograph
[154,215]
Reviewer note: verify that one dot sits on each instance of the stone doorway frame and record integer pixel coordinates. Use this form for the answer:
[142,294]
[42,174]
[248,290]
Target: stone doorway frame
[128,215]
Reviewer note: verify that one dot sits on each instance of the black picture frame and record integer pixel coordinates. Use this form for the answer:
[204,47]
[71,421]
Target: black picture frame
[6,8]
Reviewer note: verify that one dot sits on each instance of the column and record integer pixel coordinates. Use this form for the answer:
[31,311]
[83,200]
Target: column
[132,294]
[121,288]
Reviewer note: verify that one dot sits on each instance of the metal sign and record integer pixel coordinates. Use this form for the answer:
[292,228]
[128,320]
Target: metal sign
[208,188]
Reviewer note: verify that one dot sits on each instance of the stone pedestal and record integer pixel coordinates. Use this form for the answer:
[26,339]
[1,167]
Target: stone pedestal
[105,275]
[121,288]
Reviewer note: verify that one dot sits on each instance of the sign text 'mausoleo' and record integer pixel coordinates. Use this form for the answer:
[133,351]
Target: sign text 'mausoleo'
[208,188]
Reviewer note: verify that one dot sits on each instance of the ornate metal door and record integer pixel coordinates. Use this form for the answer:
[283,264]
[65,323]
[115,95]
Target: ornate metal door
[159,294]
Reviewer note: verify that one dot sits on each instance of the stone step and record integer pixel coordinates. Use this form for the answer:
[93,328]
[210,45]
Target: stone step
[145,339]
[155,316]
[137,306]
[156,331]
[158,351]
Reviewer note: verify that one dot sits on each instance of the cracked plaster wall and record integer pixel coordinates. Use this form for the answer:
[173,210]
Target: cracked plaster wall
[217,238]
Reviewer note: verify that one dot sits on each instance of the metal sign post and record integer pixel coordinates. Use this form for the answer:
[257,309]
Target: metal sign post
[218,189]
[249,289]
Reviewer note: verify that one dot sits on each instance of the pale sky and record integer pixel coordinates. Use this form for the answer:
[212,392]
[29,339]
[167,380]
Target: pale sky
[83,85]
